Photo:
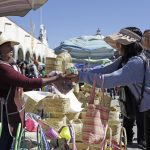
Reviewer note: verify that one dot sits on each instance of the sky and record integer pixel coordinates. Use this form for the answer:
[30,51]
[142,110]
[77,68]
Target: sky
[65,19]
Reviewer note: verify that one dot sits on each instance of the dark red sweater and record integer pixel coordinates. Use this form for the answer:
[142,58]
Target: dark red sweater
[11,78]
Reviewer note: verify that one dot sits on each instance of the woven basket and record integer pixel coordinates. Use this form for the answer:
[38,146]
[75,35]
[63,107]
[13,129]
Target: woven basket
[115,125]
[48,68]
[56,115]
[86,88]
[114,115]
[77,125]
[72,116]
[65,56]
[69,65]
[54,105]
[55,123]
[116,137]
[82,114]
[81,96]
[94,147]
[76,88]
[80,146]
[105,100]
[53,61]
[30,105]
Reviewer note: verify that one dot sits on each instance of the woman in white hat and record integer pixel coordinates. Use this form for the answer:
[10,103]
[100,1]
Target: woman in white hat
[10,80]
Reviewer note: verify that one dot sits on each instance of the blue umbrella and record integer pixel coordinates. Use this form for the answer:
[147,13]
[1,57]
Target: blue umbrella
[86,48]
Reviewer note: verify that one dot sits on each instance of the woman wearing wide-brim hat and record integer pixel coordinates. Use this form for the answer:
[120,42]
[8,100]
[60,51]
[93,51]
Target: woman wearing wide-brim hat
[11,84]
[131,72]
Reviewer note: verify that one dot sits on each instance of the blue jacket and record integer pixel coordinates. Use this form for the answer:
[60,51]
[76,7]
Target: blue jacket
[131,75]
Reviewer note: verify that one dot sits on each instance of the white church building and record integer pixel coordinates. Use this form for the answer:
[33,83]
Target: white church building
[29,47]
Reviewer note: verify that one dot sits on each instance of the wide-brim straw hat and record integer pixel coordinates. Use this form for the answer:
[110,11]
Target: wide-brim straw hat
[124,36]
[5,39]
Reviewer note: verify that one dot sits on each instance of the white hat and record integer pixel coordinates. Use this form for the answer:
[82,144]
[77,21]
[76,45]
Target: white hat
[124,36]
[4,39]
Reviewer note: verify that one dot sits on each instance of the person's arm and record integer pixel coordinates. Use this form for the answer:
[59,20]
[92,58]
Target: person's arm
[11,77]
[131,73]
[52,79]
[108,68]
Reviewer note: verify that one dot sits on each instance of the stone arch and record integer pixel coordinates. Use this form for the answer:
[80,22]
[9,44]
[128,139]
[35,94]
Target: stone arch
[20,55]
[39,58]
[43,60]
[27,57]
[34,56]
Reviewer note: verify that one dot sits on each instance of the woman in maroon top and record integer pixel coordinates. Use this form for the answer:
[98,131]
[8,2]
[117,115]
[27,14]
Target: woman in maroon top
[10,80]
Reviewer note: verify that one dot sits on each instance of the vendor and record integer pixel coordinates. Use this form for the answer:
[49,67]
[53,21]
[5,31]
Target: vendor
[11,84]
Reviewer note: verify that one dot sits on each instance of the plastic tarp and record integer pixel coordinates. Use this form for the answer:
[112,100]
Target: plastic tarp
[37,96]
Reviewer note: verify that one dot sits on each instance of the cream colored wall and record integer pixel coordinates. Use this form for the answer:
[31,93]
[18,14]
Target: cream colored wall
[12,30]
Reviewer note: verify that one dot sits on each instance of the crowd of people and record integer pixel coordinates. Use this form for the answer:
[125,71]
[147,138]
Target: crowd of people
[31,70]
[129,71]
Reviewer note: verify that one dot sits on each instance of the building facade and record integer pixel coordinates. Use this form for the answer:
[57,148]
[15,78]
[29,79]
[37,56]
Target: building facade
[29,47]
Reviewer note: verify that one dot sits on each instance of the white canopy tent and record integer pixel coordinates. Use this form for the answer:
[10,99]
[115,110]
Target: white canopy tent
[19,7]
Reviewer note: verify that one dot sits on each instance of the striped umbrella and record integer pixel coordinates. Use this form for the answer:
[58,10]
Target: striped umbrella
[19,7]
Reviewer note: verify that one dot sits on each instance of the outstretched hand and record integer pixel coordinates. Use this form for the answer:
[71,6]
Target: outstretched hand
[63,84]
[73,77]
[54,73]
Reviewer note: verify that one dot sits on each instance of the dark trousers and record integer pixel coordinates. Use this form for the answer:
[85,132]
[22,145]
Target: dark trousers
[147,128]
[129,123]
[6,139]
